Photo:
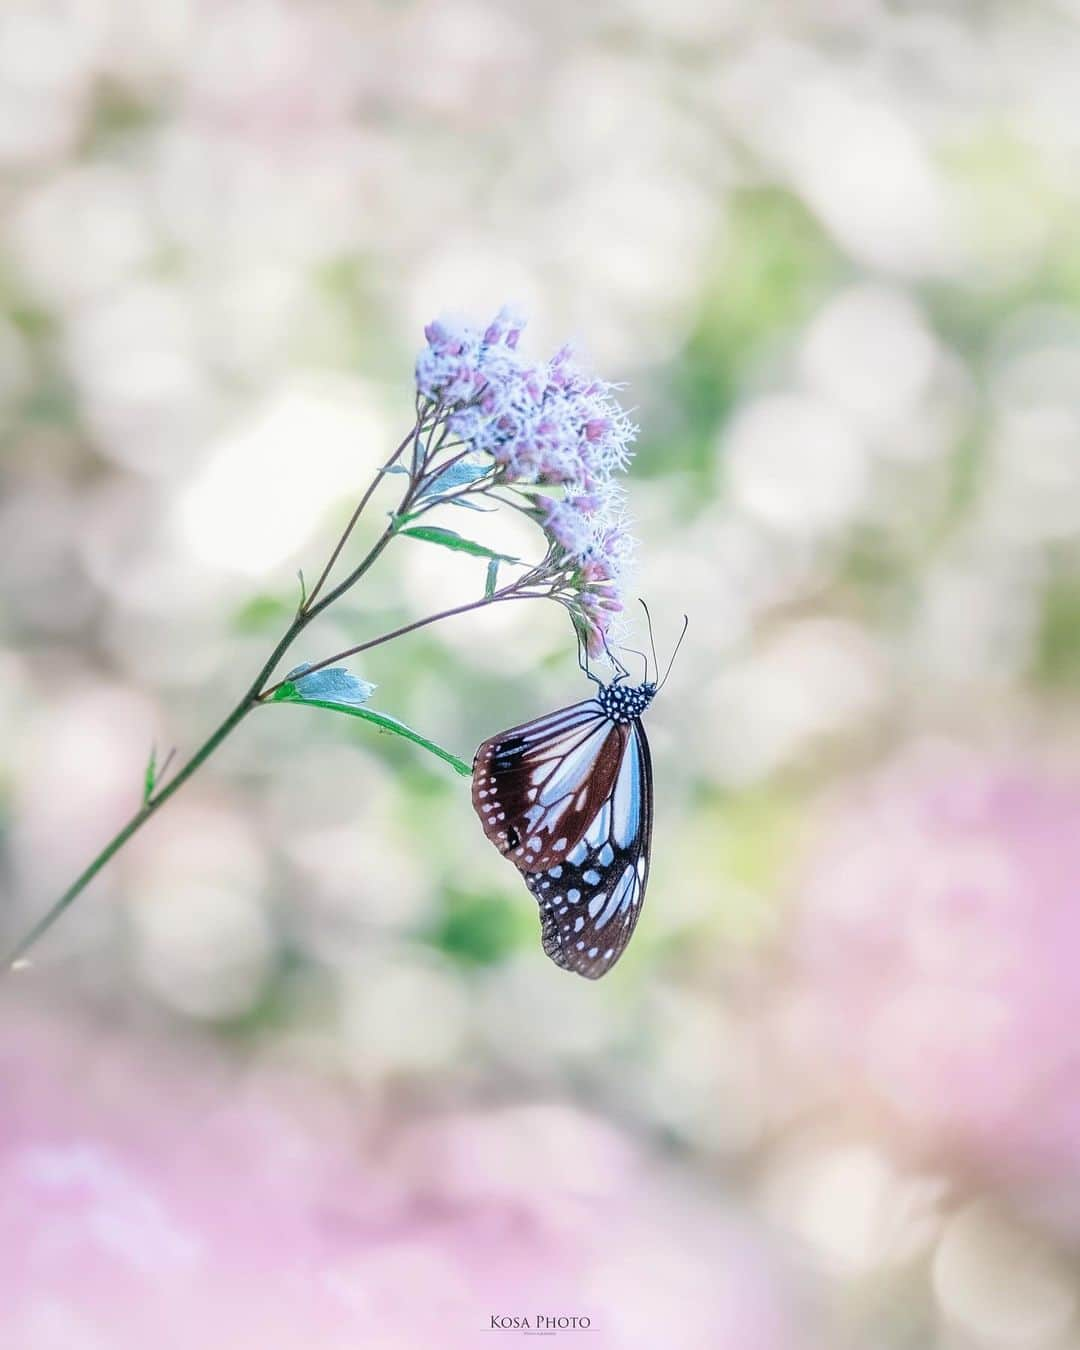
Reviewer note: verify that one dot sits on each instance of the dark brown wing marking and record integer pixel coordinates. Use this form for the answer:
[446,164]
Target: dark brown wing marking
[537,787]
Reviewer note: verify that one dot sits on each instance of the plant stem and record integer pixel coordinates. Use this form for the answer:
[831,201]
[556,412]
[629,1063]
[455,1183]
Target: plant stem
[250,700]
[307,605]
[513,592]
[258,692]
[132,827]
[157,799]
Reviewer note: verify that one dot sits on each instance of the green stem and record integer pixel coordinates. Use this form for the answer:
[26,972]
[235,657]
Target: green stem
[132,827]
[229,725]
[257,693]
[511,592]
[308,607]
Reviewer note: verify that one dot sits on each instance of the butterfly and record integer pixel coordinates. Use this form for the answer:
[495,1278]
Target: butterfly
[568,798]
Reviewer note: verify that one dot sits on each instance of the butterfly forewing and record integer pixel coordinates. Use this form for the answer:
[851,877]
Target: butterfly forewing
[538,787]
[590,899]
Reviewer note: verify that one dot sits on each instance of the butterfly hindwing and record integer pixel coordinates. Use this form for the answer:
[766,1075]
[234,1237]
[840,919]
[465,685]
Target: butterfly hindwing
[590,899]
[538,787]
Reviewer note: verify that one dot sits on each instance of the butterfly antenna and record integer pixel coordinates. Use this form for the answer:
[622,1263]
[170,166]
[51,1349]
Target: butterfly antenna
[674,654]
[652,640]
[644,659]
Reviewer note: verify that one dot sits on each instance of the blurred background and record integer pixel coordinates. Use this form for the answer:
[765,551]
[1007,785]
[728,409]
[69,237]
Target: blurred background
[295,1070]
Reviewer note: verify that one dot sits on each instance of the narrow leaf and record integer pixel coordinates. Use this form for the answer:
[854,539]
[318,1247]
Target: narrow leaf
[454,475]
[492,577]
[288,693]
[155,773]
[436,534]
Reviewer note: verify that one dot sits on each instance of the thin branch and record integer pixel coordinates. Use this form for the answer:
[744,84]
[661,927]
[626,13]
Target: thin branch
[512,592]
[306,607]
[119,840]
[307,611]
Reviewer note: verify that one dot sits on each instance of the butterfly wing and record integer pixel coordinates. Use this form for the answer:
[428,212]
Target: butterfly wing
[590,899]
[539,786]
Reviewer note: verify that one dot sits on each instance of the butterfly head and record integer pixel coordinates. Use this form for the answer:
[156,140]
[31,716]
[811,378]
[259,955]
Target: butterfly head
[626,702]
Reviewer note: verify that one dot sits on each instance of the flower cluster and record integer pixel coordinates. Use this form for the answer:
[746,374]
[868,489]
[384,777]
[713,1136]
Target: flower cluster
[592,546]
[546,424]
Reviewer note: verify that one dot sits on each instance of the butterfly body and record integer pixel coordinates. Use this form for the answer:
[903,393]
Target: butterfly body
[625,702]
[568,799]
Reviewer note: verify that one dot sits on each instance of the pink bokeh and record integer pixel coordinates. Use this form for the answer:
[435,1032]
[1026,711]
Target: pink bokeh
[937,947]
[155,1196]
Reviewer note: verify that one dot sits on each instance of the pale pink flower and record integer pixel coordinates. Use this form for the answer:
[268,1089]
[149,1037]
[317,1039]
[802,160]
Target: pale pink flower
[568,527]
[594,552]
[548,423]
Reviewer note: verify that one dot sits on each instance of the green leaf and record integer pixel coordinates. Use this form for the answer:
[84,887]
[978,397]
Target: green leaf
[289,693]
[492,577]
[453,476]
[150,778]
[436,534]
[155,773]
